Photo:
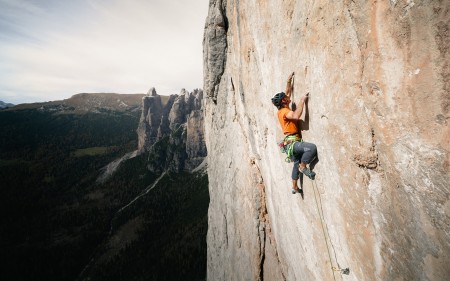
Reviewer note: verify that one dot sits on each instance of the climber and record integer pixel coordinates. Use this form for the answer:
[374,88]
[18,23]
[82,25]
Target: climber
[302,153]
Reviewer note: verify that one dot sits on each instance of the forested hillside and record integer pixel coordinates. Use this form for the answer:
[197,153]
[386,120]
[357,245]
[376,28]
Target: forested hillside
[55,218]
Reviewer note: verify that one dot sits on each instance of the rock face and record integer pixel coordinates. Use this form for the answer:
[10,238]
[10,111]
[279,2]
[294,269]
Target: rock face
[378,77]
[171,130]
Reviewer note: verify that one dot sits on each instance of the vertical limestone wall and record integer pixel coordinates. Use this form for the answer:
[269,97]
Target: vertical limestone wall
[378,77]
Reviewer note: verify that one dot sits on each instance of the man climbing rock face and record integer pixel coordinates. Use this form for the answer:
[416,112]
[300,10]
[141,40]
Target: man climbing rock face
[298,151]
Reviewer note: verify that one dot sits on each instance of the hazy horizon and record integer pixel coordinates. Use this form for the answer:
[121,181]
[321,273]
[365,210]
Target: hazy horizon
[52,50]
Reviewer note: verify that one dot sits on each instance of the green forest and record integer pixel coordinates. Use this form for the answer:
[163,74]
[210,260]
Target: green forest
[57,221]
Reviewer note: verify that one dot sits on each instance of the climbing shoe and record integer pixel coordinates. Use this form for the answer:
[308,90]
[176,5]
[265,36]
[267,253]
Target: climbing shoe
[307,172]
[296,191]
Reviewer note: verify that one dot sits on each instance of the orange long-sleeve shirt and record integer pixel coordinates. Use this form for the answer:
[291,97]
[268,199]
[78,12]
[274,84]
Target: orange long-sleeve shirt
[288,126]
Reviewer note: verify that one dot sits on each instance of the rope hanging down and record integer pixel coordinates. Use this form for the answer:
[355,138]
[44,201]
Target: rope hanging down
[323,224]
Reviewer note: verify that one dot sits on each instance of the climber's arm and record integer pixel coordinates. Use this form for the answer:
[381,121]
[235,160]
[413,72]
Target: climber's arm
[290,85]
[297,113]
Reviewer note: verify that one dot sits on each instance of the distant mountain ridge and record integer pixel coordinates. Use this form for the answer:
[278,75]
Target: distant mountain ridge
[89,102]
[4,105]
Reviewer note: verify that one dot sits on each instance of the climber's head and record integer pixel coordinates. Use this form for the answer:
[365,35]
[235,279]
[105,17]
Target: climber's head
[279,99]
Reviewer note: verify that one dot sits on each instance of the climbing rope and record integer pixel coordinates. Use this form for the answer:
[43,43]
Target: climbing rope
[323,224]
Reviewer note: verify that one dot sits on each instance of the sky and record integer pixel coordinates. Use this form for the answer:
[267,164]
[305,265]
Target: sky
[53,49]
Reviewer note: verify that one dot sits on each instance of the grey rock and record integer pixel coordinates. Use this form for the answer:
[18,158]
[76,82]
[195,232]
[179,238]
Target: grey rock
[172,131]
[150,121]
[214,47]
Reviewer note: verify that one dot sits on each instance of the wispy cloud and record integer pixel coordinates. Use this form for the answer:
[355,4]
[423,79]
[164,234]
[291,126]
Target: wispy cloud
[107,46]
[19,9]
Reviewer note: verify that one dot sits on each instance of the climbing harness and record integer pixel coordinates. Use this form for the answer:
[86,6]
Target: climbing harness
[323,224]
[287,145]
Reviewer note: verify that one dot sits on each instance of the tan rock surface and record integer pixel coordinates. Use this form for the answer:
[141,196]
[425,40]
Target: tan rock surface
[378,77]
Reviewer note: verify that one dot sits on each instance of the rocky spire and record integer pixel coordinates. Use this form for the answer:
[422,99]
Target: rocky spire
[171,130]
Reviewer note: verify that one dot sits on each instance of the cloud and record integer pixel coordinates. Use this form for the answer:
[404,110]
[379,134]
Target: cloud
[19,9]
[107,46]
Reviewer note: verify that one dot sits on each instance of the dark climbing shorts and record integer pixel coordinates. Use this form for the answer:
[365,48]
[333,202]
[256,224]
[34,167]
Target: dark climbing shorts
[303,152]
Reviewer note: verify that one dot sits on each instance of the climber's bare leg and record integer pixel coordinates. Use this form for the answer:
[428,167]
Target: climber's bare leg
[294,184]
[302,166]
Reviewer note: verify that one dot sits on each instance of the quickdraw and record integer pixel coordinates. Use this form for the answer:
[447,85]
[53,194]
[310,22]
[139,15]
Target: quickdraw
[287,145]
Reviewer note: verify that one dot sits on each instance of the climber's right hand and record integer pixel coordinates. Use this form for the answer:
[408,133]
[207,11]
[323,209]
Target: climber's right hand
[305,97]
